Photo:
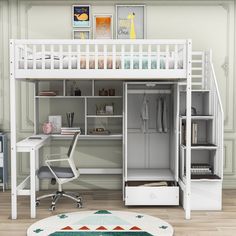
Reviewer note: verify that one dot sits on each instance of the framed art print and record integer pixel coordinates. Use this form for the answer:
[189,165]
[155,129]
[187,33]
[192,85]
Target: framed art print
[81,34]
[130,21]
[102,26]
[56,123]
[81,15]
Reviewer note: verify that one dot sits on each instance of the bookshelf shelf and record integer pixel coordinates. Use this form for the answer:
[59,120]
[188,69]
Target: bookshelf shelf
[91,111]
[206,178]
[201,147]
[199,117]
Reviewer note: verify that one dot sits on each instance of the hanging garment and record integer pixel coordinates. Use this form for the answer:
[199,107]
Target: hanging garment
[144,114]
[159,115]
[164,115]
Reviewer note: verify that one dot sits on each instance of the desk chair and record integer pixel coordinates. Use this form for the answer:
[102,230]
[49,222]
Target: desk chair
[61,175]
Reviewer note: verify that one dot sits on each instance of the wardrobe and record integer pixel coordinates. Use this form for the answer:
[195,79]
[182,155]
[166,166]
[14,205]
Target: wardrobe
[151,143]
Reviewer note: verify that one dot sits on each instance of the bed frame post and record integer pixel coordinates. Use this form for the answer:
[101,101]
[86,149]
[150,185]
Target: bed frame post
[188,130]
[13,131]
[125,137]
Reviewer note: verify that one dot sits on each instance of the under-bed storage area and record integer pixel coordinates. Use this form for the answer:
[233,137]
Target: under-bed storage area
[151,145]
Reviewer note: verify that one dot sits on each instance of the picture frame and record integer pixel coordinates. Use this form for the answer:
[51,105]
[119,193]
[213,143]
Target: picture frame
[81,34]
[102,26]
[109,109]
[130,21]
[56,123]
[81,15]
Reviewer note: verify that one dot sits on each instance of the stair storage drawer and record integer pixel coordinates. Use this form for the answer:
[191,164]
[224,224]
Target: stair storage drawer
[143,195]
[205,195]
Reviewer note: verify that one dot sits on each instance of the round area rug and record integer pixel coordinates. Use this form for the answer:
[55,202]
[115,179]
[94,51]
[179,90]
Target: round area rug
[101,223]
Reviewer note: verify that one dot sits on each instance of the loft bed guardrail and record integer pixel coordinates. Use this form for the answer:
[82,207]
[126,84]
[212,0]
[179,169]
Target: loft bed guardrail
[102,59]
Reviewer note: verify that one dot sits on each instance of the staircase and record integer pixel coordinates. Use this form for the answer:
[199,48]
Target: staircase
[206,168]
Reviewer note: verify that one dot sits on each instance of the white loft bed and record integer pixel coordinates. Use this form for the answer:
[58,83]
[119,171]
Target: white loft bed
[100,59]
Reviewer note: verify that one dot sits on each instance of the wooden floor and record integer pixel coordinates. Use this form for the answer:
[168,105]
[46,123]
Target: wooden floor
[203,223]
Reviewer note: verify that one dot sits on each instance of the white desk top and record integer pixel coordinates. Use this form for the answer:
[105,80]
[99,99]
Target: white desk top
[32,142]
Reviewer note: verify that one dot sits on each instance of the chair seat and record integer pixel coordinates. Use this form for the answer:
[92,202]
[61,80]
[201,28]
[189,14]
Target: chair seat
[61,172]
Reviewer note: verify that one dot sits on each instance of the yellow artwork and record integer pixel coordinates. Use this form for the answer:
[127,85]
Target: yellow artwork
[132,33]
[130,21]
[81,15]
[81,34]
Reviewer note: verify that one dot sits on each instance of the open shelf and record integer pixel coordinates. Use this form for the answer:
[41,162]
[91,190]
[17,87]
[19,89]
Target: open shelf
[201,146]
[77,97]
[104,97]
[61,97]
[199,117]
[149,174]
[95,104]
[85,137]
[104,116]
[197,91]
[199,178]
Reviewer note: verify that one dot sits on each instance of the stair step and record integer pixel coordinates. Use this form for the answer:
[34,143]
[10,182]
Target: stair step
[197,91]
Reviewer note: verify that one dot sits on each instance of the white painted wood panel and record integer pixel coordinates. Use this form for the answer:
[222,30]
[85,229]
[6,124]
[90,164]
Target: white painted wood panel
[206,195]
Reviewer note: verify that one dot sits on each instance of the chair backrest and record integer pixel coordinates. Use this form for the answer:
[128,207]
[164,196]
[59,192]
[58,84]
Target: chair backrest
[70,153]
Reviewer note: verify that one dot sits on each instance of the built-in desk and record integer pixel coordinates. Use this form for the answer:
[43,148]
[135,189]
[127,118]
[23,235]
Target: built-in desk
[31,145]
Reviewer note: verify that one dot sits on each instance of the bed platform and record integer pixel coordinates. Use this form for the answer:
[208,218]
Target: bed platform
[103,59]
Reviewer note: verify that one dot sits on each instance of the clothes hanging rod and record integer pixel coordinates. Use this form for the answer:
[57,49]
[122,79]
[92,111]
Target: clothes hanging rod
[149,91]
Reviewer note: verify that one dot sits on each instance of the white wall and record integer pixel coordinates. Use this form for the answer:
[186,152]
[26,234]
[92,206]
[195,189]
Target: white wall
[210,24]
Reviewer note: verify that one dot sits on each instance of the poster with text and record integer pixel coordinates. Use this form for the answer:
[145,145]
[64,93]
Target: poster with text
[130,21]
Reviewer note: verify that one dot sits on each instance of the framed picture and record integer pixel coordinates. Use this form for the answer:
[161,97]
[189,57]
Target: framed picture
[130,22]
[56,123]
[102,26]
[81,34]
[81,15]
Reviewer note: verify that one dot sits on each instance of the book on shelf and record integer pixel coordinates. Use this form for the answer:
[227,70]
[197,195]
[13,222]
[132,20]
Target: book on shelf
[194,135]
[47,93]
[70,130]
[201,169]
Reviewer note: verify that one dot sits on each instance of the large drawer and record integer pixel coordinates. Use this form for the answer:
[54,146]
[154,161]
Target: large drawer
[139,195]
